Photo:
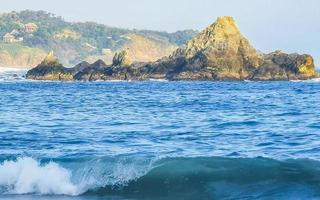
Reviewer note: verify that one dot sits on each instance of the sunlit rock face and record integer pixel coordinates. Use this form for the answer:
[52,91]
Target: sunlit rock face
[222,50]
[122,59]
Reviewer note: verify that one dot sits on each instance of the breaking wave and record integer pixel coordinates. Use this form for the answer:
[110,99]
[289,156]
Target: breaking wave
[26,175]
[185,178]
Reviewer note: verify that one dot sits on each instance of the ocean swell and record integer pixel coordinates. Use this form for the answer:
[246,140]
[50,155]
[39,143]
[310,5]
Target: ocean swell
[181,178]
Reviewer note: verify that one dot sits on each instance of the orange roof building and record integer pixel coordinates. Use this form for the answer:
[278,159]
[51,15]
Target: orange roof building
[30,27]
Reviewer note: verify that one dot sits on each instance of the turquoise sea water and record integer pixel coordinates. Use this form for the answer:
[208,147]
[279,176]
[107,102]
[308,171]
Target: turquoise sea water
[158,140]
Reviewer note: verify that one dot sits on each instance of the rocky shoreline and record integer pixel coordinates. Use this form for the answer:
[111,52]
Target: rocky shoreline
[220,52]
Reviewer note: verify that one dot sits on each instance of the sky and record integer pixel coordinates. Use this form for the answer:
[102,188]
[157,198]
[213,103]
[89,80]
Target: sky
[288,25]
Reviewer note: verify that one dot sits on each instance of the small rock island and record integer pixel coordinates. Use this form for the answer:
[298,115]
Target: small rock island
[220,52]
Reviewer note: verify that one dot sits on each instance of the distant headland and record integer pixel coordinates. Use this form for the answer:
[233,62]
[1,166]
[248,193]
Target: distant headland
[220,52]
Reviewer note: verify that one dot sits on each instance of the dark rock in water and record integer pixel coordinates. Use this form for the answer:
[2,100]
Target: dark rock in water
[81,66]
[92,72]
[281,66]
[50,69]
[220,52]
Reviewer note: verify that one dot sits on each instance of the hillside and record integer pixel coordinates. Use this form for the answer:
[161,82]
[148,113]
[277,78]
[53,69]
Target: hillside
[75,42]
[16,55]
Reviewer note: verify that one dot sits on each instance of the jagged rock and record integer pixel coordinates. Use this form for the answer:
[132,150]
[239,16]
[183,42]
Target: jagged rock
[51,60]
[81,66]
[220,52]
[282,66]
[92,72]
[50,69]
[122,59]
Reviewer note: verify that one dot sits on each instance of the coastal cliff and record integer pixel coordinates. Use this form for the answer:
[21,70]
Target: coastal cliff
[220,52]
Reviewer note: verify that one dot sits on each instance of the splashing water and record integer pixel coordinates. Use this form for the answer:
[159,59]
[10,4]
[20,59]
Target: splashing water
[26,175]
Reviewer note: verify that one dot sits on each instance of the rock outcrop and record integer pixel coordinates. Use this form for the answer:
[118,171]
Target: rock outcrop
[220,52]
[50,69]
[92,72]
[122,59]
[282,66]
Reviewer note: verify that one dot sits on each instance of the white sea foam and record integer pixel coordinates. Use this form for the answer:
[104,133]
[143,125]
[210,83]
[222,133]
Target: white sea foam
[11,74]
[159,80]
[28,176]
[314,80]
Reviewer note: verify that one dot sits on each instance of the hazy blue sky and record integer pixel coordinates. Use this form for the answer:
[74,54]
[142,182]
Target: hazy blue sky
[290,25]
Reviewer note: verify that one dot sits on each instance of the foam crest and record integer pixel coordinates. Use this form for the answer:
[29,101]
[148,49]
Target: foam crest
[28,176]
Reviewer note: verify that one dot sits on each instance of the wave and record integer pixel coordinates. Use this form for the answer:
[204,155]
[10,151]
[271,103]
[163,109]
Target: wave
[26,175]
[178,178]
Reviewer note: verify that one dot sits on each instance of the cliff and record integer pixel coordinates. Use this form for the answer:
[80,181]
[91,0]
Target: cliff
[220,52]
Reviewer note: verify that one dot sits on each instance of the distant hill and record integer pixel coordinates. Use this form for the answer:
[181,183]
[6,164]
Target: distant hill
[27,36]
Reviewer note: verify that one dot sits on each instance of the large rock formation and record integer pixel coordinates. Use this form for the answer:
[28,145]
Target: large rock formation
[50,69]
[220,52]
[282,66]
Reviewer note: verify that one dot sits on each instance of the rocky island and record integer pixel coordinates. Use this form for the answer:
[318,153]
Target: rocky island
[220,52]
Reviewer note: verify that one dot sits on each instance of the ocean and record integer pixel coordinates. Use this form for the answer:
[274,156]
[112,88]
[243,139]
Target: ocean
[158,140]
